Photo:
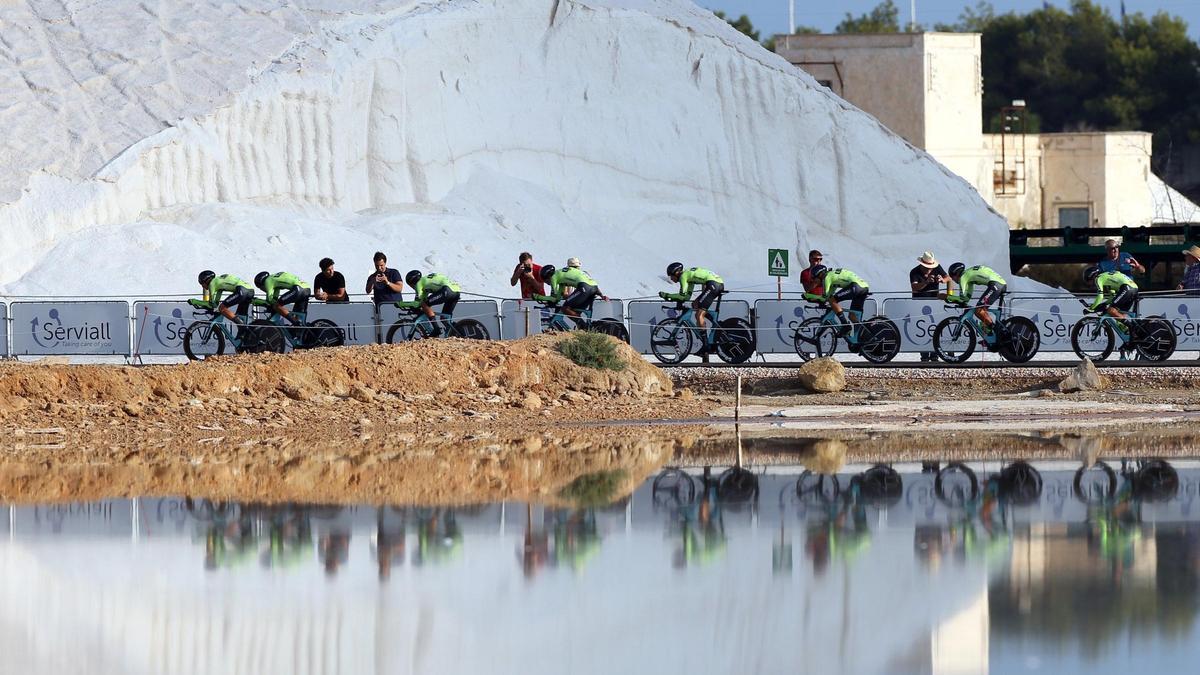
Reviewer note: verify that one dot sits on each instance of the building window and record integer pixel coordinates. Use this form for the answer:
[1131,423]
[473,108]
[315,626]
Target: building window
[828,84]
[1073,216]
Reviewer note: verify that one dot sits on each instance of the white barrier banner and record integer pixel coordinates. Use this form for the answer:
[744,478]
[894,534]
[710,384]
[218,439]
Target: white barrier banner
[643,314]
[1053,316]
[775,322]
[3,329]
[483,311]
[522,318]
[917,318]
[1182,312]
[70,327]
[356,319]
[158,326]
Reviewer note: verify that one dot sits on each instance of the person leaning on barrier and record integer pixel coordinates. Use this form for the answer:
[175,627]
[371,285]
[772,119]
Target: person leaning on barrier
[329,285]
[925,279]
[711,286]
[240,294]
[432,289]
[1191,273]
[967,279]
[385,283]
[1115,292]
[296,293]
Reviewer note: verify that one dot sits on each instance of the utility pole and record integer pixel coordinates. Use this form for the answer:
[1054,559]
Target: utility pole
[791,17]
[912,15]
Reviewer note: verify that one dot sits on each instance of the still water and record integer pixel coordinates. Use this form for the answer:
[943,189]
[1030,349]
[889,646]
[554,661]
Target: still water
[984,567]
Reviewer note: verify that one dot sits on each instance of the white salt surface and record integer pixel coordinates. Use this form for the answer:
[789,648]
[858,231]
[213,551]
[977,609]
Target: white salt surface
[147,141]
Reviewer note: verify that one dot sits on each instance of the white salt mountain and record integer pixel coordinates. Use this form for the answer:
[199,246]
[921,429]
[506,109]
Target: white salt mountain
[144,142]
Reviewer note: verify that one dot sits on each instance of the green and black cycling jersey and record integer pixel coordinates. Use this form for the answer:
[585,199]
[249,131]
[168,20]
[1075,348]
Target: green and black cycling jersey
[280,282]
[430,285]
[571,277]
[1108,285]
[835,280]
[978,275]
[225,283]
[689,279]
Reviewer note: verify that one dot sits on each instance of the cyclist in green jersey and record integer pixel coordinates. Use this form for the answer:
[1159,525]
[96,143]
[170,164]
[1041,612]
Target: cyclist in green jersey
[1115,292]
[967,279]
[711,286]
[585,292]
[839,285]
[432,289]
[240,293]
[295,293]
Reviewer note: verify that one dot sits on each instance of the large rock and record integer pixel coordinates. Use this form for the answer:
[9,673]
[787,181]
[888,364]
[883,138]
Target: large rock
[1084,377]
[823,376]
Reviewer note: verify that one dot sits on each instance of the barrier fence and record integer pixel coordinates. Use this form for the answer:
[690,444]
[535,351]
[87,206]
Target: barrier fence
[156,327]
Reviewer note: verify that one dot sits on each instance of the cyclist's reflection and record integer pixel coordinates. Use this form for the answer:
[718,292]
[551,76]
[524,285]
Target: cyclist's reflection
[837,527]
[289,538]
[388,546]
[227,530]
[700,528]
[576,537]
[439,538]
[976,517]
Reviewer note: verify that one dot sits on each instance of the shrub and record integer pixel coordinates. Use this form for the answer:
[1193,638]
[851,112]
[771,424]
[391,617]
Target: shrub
[592,350]
[593,489]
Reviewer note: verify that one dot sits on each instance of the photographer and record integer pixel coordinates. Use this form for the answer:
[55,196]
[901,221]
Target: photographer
[385,283]
[925,279]
[528,274]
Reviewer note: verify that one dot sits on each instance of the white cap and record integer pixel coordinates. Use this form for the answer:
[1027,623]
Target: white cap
[574,262]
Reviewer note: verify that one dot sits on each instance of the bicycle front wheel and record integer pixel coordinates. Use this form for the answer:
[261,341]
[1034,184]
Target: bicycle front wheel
[814,339]
[471,330]
[203,339]
[670,341]
[405,330]
[954,340]
[1092,338]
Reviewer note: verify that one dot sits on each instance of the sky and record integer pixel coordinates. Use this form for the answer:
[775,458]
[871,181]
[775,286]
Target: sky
[771,16]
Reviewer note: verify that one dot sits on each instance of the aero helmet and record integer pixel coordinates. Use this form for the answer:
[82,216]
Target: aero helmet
[260,280]
[547,272]
[819,271]
[674,269]
[956,269]
[1091,273]
[412,277]
[205,277]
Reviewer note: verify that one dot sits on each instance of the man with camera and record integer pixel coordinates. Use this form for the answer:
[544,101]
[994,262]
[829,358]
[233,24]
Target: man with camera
[385,283]
[529,275]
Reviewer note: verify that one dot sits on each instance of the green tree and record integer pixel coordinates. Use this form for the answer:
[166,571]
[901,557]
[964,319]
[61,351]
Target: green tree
[884,18]
[742,23]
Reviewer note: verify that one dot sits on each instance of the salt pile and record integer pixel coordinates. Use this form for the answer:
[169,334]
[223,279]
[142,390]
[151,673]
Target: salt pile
[146,142]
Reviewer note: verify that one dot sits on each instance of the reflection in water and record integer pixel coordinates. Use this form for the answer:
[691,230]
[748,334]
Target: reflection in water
[939,568]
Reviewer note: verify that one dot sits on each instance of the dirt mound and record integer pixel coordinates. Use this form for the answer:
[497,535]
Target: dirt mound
[528,373]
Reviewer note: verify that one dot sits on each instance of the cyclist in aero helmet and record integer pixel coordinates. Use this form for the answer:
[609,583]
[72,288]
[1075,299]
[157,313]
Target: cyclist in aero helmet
[586,289]
[296,293]
[240,294]
[967,279]
[839,285]
[432,289]
[1115,292]
[711,286]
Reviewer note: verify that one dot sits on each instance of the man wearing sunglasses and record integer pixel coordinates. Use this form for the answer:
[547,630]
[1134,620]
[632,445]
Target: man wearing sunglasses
[1116,260]
[810,284]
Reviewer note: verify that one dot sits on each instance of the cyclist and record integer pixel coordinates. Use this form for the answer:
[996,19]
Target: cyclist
[432,289]
[839,285]
[240,294]
[1115,292]
[296,295]
[967,279]
[585,289]
[711,287]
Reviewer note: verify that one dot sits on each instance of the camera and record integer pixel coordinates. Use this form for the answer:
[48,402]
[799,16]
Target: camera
[528,267]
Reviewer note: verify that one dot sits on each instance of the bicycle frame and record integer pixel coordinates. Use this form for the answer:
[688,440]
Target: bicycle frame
[218,321]
[688,318]
[1116,326]
[423,318]
[968,316]
[276,318]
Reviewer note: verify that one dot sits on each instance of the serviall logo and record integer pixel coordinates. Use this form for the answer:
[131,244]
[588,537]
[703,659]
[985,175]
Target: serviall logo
[54,331]
[921,331]
[1053,328]
[169,333]
[1184,326]
[798,312]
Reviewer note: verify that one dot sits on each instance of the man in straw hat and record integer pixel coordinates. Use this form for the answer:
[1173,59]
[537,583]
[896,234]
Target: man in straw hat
[1191,273]
[925,278]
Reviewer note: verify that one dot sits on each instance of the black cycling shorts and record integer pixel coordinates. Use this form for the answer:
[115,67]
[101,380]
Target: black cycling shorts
[242,297]
[297,297]
[857,295]
[711,291]
[445,297]
[993,293]
[1124,299]
[582,297]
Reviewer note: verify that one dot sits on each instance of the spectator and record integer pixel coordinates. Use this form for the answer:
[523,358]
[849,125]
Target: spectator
[330,285]
[1191,273]
[810,284]
[925,279]
[1117,261]
[574,262]
[385,282]
[529,274]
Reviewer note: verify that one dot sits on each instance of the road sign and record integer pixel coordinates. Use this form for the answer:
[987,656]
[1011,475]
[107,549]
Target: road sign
[777,262]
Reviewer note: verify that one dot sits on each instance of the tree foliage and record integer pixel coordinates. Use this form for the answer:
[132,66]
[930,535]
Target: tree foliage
[884,18]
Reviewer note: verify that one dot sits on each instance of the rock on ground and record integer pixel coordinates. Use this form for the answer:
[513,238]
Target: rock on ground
[822,376]
[1084,377]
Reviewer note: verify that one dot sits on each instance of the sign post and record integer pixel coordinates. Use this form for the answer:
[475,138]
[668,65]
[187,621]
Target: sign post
[777,266]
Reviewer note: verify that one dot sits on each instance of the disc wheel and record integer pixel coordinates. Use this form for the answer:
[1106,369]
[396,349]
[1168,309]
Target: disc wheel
[735,340]
[1021,482]
[880,340]
[670,341]
[323,333]
[612,327]
[1023,341]
[1156,481]
[203,339]
[1092,338]
[268,337]
[1157,341]
[1095,484]
[737,485]
[881,483]
[814,339]
[471,329]
[954,340]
